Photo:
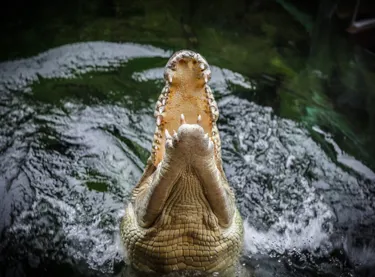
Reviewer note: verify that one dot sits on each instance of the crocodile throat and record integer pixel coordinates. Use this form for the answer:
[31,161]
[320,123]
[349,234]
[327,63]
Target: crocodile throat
[186,93]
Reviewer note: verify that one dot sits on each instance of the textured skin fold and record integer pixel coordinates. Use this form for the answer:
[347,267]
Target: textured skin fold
[182,215]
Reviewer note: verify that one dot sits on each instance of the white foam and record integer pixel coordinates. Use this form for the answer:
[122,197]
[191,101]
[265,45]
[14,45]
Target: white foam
[269,169]
[294,237]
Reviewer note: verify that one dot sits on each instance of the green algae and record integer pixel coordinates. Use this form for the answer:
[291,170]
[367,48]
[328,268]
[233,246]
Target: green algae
[115,86]
[98,186]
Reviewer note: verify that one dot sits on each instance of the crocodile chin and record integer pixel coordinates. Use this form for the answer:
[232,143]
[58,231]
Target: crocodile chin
[186,99]
[182,215]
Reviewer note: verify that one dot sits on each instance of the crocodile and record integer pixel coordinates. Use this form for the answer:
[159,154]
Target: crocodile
[182,214]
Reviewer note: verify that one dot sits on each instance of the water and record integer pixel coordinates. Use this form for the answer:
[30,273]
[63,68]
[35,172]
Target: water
[77,123]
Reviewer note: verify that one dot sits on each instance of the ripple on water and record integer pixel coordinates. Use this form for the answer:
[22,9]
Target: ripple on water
[67,220]
[275,167]
[266,160]
[53,157]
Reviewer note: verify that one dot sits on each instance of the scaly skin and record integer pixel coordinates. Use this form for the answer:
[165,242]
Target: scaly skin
[182,215]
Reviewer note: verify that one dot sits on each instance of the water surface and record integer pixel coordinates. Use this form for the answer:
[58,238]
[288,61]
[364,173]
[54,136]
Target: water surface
[77,125]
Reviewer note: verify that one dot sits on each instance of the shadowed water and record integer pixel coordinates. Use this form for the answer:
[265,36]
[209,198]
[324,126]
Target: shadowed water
[77,125]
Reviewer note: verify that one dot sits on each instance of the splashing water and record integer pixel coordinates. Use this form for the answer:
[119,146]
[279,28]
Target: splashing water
[67,168]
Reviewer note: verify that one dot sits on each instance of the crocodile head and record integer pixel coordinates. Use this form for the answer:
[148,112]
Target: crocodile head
[182,214]
[186,99]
